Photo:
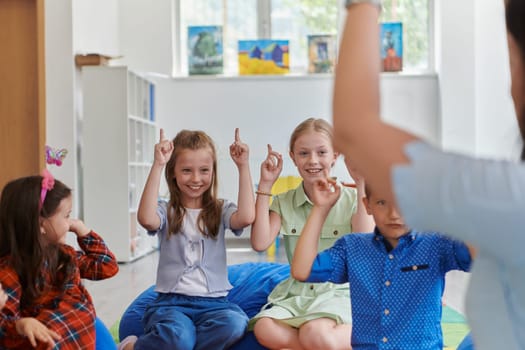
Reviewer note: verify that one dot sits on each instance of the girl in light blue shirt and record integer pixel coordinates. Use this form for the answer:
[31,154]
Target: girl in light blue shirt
[191,310]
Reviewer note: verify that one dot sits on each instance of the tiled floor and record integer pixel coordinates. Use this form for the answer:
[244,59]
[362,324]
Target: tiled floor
[112,296]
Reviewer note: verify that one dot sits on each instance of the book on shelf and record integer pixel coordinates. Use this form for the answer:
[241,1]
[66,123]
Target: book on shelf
[205,50]
[391,42]
[265,56]
[152,102]
[322,53]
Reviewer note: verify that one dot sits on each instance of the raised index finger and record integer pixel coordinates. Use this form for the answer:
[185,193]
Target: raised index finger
[237,137]
[162,138]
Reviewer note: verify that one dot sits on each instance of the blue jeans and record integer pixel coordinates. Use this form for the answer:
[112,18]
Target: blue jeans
[181,322]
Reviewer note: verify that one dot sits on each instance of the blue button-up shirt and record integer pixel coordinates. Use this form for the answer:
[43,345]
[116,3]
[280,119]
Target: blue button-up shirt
[396,294]
[480,201]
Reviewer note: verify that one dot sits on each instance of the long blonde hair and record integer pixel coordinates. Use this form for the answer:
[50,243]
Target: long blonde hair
[209,218]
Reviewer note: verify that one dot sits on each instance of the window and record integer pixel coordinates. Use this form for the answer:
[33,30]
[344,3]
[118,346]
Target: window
[294,20]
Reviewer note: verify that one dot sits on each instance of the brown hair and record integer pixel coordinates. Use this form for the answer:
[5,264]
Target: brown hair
[311,124]
[209,218]
[21,238]
[514,15]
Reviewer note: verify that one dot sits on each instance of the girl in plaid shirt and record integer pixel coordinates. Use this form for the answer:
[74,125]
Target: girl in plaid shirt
[47,305]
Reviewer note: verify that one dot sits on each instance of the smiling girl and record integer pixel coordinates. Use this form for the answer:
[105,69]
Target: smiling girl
[191,310]
[305,315]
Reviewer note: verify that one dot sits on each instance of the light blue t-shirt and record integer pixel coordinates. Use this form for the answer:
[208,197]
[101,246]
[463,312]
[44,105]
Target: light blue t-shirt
[483,203]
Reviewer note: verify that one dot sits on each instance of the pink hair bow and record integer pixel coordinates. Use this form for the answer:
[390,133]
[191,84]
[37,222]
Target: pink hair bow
[48,182]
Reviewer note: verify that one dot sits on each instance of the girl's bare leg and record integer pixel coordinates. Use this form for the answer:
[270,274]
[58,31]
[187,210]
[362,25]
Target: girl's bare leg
[326,334]
[277,335]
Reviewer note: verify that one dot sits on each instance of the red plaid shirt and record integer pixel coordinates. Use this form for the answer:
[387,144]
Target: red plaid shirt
[70,313]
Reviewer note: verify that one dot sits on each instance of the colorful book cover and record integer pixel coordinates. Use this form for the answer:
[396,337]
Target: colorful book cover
[205,50]
[263,57]
[392,46]
[322,51]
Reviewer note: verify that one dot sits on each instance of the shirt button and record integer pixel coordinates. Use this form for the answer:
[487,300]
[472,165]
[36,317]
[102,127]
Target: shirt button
[294,230]
[336,233]
[387,283]
[385,339]
[391,256]
[387,312]
[414,267]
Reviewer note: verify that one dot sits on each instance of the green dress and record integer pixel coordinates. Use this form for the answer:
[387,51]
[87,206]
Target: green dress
[294,302]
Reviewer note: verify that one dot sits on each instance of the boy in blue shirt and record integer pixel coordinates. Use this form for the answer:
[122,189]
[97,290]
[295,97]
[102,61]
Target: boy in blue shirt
[396,275]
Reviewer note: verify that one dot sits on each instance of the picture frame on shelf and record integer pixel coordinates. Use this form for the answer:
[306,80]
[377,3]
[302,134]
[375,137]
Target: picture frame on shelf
[263,56]
[322,53]
[205,50]
[391,42]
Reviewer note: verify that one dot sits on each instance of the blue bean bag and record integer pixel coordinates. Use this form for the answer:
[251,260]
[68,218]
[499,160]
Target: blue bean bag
[252,283]
[104,339]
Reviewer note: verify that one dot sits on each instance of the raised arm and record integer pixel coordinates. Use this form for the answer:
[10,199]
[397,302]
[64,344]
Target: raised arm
[324,196]
[373,146]
[245,213]
[95,261]
[267,224]
[147,212]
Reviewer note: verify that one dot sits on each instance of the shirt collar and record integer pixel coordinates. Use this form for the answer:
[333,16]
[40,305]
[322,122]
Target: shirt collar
[300,196]
[403,240]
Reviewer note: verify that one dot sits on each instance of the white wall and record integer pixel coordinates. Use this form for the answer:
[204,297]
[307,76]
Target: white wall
[60,120]
[477,112]
[96,26]
[497,134]
[456,69]
[145,35]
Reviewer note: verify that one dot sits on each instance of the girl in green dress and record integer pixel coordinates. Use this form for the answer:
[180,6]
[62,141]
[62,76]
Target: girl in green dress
[305,315]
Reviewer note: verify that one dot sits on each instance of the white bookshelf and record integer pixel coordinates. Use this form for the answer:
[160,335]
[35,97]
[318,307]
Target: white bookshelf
[119,133]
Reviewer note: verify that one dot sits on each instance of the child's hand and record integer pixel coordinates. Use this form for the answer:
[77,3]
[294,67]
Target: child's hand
[239,150]
[325,193]
[78,227]
[3,297]
[163,149]
[35,331]
[271,167]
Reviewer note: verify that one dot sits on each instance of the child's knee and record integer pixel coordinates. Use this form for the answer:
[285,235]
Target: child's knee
[233,324]
[170,336]
[263,326]
[318,335]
